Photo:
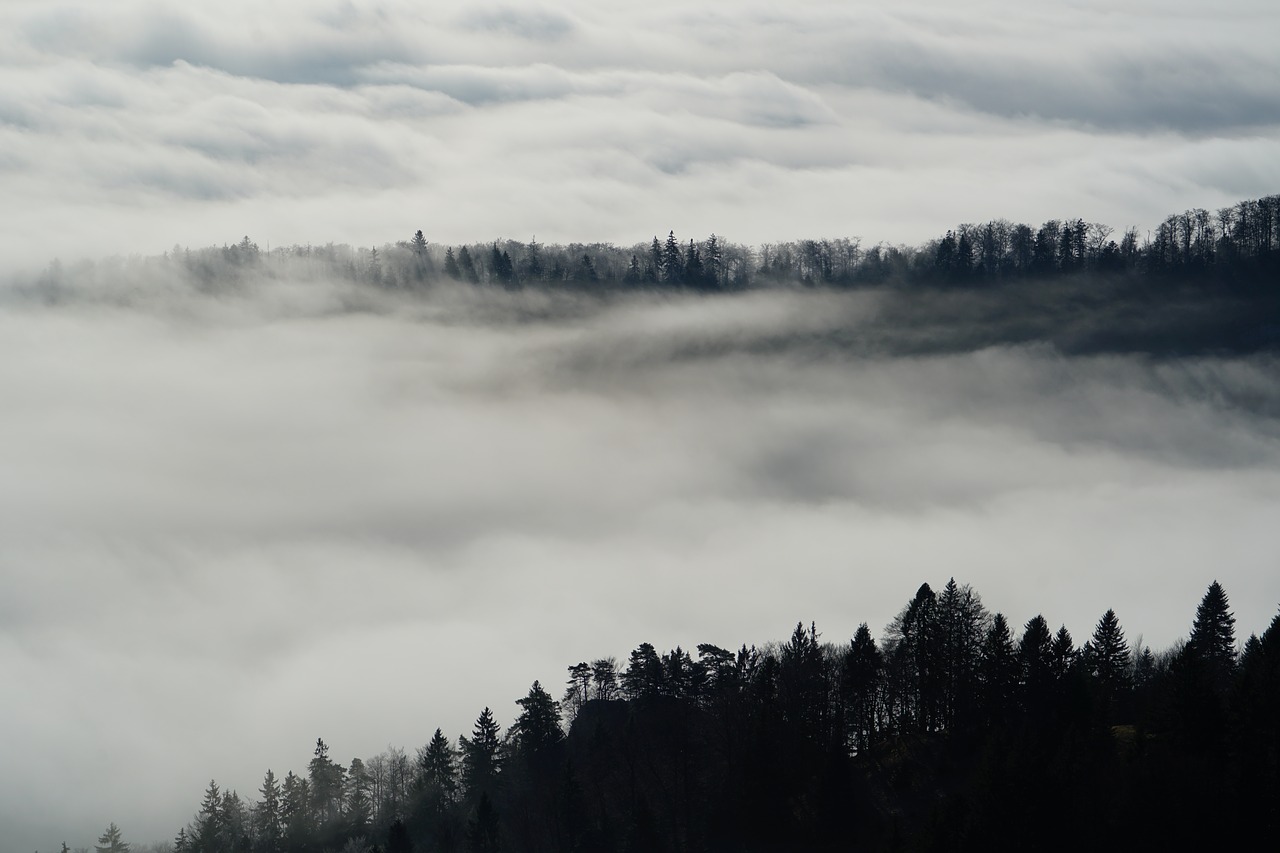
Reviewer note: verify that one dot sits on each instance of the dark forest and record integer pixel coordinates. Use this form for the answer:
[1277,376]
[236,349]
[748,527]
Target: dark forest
[953,732]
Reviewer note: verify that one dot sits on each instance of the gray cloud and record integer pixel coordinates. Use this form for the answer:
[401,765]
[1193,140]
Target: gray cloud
[356,122]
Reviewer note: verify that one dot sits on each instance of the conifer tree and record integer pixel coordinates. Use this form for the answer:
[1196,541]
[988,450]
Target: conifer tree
[999,671]
[1035,657]
[1062,653]
[110,841]
[480,760]
[861,681]
[672,263]
[1213,634]
[209,835]
[538,725]
[467,266]
[1109,653]
[267,824]
[438,771]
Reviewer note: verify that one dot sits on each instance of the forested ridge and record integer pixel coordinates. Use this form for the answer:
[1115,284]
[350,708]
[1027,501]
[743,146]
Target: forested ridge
[1201,282]
[954,731]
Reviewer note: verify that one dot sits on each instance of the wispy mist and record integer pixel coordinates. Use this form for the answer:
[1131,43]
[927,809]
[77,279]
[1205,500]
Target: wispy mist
[235,521]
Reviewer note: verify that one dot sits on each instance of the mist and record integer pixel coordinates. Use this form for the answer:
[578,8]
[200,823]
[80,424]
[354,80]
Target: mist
[236,520]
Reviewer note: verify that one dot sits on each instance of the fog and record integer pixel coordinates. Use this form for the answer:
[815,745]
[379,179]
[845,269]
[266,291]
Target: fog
[233,521]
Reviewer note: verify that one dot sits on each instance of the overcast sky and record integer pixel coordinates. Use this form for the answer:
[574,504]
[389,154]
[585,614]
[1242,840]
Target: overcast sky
[230,526]
[131,125]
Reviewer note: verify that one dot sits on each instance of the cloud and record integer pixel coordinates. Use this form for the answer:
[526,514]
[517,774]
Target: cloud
[578,122]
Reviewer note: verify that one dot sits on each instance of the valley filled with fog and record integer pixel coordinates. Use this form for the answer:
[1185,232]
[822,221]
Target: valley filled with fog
[238,518]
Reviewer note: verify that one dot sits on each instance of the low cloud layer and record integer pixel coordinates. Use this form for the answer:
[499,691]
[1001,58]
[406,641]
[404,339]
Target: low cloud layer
[233,523]
[130,126]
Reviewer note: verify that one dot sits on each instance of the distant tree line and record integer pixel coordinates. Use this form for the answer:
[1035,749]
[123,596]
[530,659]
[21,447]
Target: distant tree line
[1240,243]
[952,732]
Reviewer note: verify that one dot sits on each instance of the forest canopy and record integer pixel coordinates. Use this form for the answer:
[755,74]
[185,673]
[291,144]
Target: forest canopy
[954,730]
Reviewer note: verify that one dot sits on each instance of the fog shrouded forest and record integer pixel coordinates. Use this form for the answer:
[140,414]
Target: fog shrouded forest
[360,493]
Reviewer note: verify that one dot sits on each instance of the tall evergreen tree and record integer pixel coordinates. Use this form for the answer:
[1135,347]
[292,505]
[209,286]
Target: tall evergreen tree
[359,802]
[438,771]
[110,841]
[538,725]
[1062,654]
[672,262]
[268,825]
[480,759]
[861,682]
[1035,658]
[1109,653]
[962,621]
[326,778]
[999,672]
[1213,636]
[467,266]
[209,834]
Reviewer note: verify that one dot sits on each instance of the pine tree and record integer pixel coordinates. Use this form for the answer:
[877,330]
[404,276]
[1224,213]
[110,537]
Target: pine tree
[295,811]
[451,268]
[480,760]
[533,261]
[672,263]
[110,842]
[359,809]
[538,725]
[802,683]
[694,273]
[467,266]
[1062,654]
[267,824]
[961,623]
[999,671]
[326,779]
[1035,658]
[714,263]
[1109,653]
[438,771]
[861,681]
[421,259]
[1213,634]
[209,835]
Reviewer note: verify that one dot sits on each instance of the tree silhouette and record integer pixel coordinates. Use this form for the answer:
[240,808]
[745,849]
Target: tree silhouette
[110,842]
[538,725]
[1213,637]
[480,760]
